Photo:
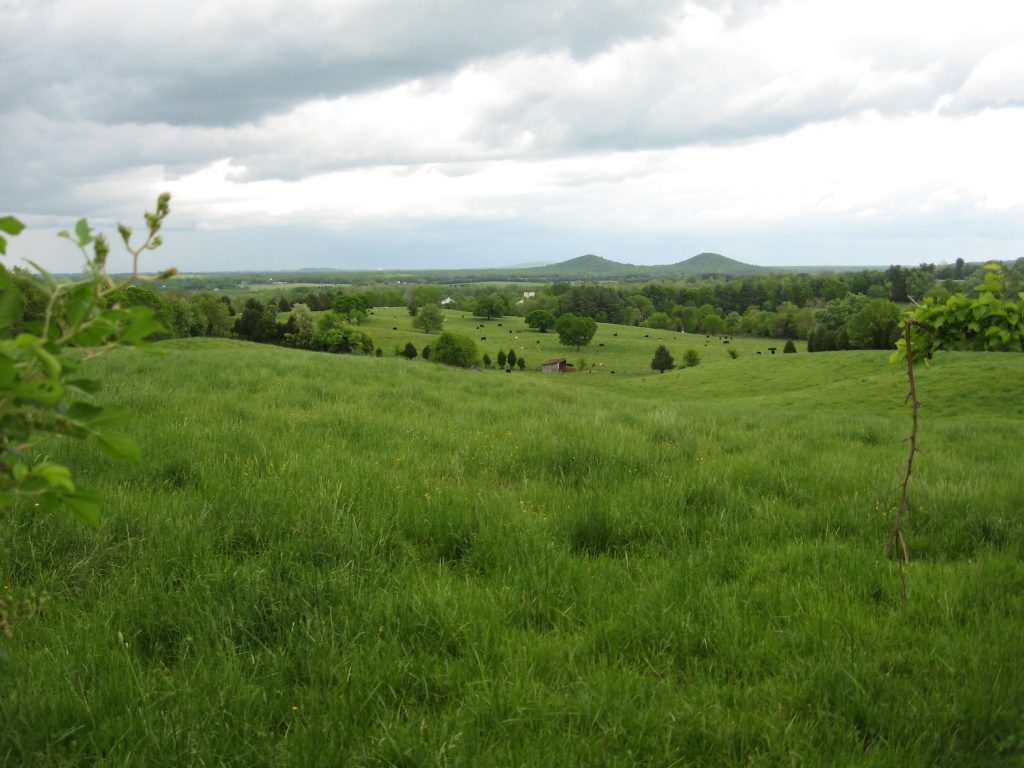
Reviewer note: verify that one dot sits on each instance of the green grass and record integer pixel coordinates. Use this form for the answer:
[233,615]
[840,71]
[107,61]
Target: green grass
[624,350]
[335,560]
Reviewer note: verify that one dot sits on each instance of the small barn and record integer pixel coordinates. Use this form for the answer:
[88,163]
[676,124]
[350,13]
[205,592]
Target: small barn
[556,365]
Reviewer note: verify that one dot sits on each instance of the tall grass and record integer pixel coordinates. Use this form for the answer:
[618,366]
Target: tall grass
[340,560]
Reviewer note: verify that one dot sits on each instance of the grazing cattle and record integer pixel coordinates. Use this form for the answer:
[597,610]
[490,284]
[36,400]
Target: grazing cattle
[483,338]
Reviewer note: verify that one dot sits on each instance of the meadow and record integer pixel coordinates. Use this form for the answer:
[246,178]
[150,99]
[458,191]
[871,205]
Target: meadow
[346,560]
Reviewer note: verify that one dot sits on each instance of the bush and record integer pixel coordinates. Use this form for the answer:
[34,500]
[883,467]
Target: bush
[452,349]
[691,358]
[662,360]
[790,346]
[409,351]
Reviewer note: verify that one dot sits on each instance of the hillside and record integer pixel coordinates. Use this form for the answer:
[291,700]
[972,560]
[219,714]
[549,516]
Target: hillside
[711,264]
[388,562]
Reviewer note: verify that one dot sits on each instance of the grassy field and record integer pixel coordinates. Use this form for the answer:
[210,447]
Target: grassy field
[343,560]
[620,349]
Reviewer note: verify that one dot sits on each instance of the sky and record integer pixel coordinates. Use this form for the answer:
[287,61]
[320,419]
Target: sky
[366,134]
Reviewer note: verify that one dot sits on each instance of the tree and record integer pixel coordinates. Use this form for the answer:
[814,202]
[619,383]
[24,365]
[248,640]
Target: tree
[350,306]
[511,358]
[303,327]
[487,360]
[874,326]
[410,351]
[429,319]
[42,393]
[660,320]
[691,358]
[333,335]
[790,347]
[521,363]
[217,314]
[575,331]
[425,354]
[426,294]
[541,320]
[490,306]
[662,360]
[501,358]
[258,322]
[985,322]
[455,350]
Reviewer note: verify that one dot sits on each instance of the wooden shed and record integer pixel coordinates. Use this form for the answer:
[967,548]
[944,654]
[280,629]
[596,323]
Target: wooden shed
[555,365]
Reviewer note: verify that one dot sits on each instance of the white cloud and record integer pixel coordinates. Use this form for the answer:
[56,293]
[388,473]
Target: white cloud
[669,117]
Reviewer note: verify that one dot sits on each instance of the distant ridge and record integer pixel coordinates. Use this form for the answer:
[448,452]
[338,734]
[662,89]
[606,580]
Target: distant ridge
[591,267]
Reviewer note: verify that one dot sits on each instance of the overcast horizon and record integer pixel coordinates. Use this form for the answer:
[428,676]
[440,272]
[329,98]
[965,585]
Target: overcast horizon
[384,134]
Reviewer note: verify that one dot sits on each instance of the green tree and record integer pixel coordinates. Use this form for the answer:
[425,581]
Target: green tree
[426,294]
[541,320]
[713,324]
[217,314]
[258,322]
[487,360]
[662,360]
[425,354]
[490,306]
[429,319]
[303,327]
[985,322]
[660,320]
[575,331]
[410,351]
[874,326]
[348,304]
[42,393]
[501,358]
[455,350]
[691,358]
[511,358]
[789,347]
[521,363]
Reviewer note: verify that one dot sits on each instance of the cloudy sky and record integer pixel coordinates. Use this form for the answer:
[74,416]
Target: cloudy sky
[451,133]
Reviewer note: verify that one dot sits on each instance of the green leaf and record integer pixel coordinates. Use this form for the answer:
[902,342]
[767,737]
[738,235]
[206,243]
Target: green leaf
[57,475]
[11,225]
[101,418]
[77,386]
[11,303]
[83,233]
[140,325]
[51,363]
[85,506]
[120,447]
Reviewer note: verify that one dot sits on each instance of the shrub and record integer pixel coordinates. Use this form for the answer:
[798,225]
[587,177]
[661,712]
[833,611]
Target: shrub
[452,349]
[662,360]
[691,358]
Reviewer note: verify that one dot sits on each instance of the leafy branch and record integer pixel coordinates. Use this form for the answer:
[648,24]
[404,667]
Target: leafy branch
[42,394]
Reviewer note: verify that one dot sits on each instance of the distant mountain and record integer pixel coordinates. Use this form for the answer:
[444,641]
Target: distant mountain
[709,264]
[591,267]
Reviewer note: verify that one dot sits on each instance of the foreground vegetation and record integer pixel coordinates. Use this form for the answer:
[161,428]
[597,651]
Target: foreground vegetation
[333,559]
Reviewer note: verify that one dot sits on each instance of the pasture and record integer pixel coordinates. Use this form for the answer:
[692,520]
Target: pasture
[626,350]
[346,560]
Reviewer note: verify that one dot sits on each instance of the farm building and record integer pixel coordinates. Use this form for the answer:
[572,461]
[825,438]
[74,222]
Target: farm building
[556,365]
